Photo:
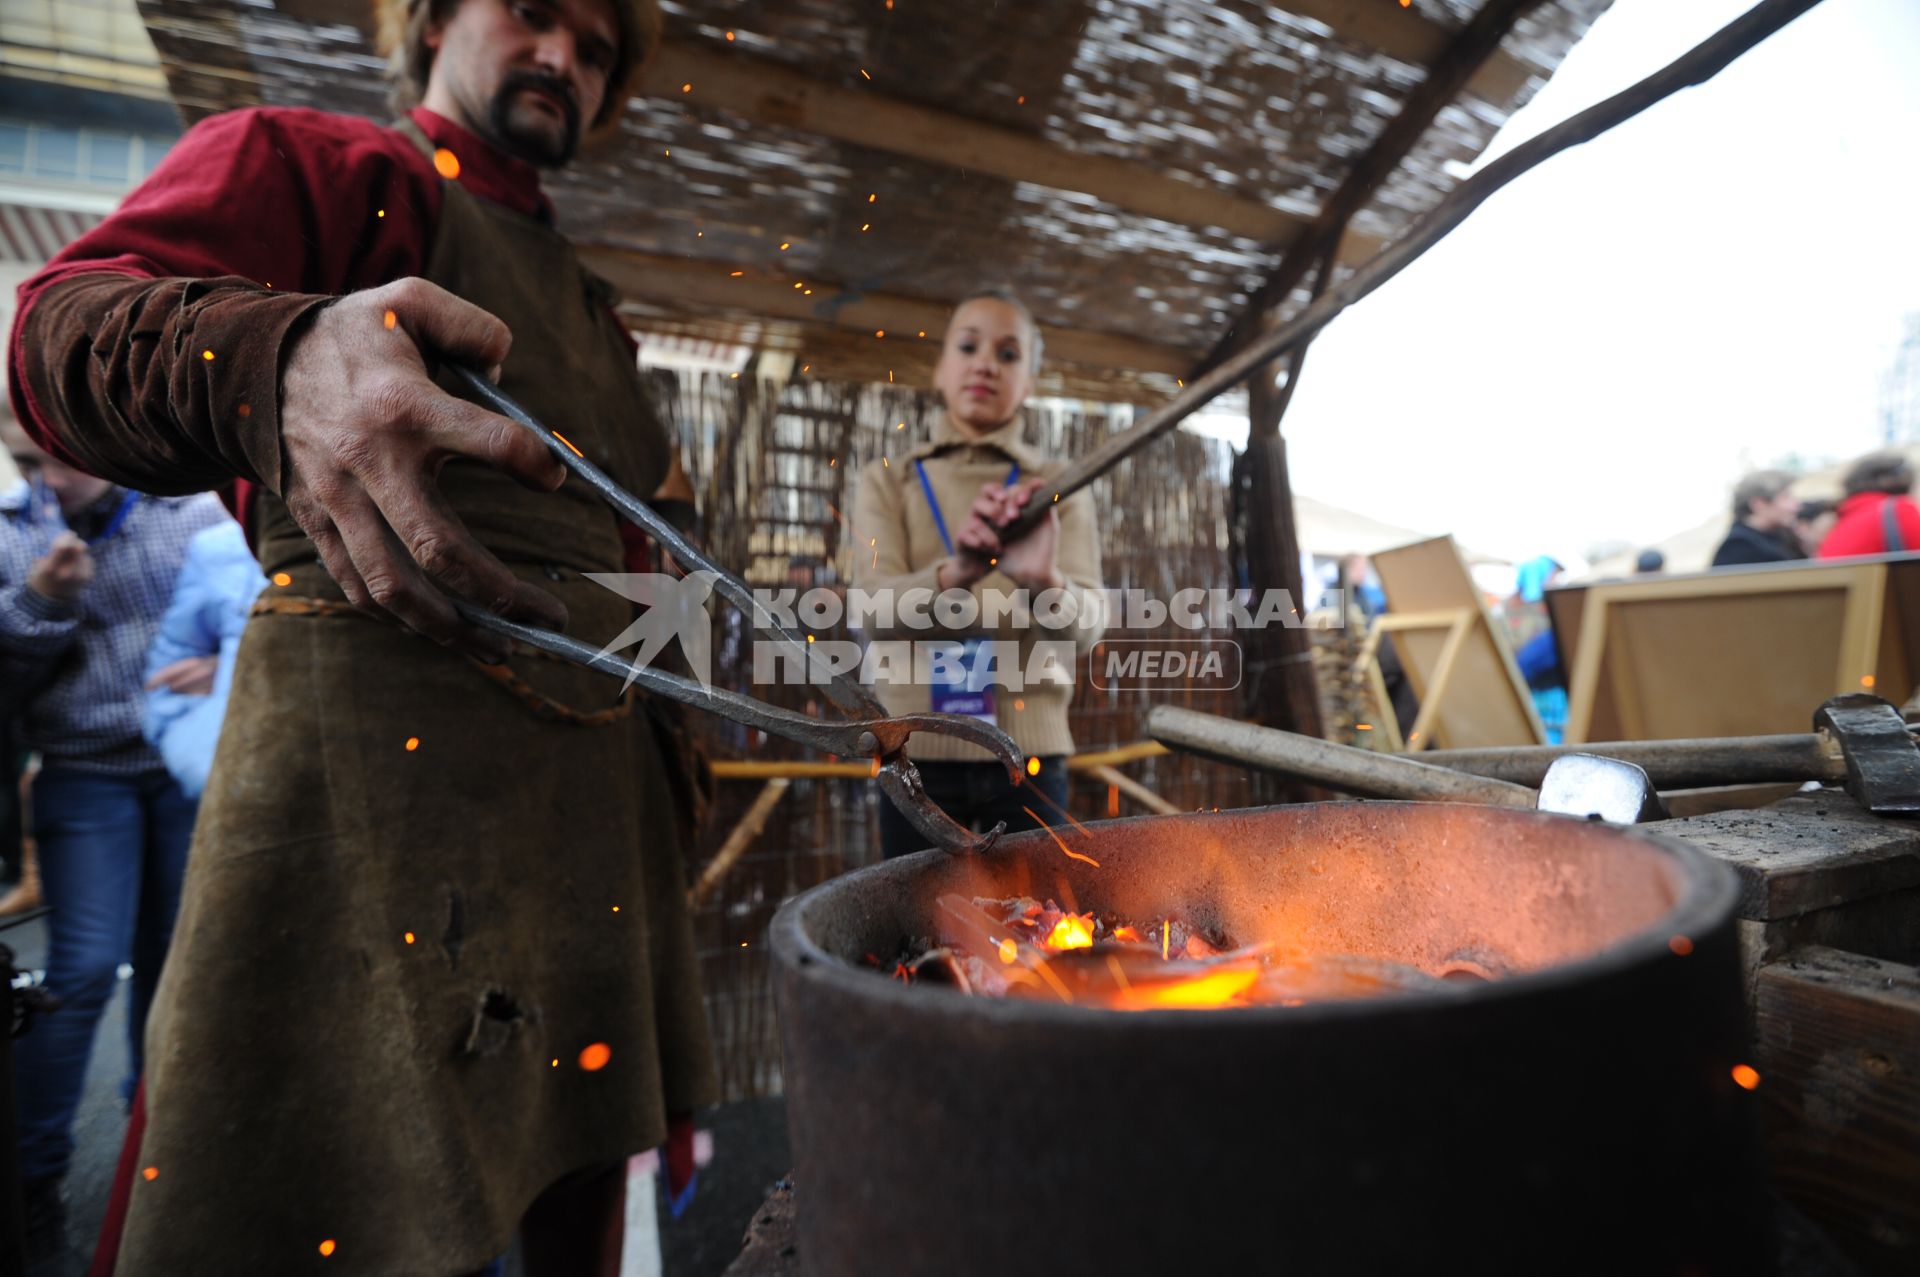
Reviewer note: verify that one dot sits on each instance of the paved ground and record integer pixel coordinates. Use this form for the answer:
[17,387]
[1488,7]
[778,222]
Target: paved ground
[750,1153]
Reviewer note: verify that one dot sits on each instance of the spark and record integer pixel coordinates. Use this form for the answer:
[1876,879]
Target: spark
[1363,727]
[1866,680]
[151,1173]
[799,283]
[874,196]
[1166,933]
[1019,704]
[1071,853]
[556,1062]
[667,151]
[595,1057]
[1746,1077]
[878,332]
[390,319]
[785,244]
[864,227]
[413,743]
[1033,765]
[807,293]
[207,355]
[1021,100]
[1119,976]
[729,37]
[923,332]
[282,579]
[570,448]
[1008,952]
[408,937]
[1180,383]
[686,88]
[864,75]
[381,213]
[446,163]
[245,410]
[1681,945]
[733,376]
[616,908]
[326,1248]
[743,944]
[735,274]
[806,367]
[901,426]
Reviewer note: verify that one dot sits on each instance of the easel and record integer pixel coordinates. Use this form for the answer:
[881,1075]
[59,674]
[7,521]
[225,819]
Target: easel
[1457,659]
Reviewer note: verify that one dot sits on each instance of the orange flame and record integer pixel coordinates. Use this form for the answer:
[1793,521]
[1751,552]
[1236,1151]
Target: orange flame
[1214,989]
[1073,931]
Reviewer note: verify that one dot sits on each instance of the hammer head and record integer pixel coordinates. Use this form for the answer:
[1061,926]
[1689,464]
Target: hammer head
[1599,788]
[1883,762]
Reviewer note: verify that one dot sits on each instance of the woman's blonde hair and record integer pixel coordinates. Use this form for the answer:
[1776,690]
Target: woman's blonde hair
[401,36]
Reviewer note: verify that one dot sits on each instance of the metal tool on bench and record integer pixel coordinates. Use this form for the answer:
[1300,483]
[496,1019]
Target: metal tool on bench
[1575,785]
[1860,740]
[869,729]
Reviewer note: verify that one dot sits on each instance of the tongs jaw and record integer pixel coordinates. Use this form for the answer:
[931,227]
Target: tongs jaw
[869,730]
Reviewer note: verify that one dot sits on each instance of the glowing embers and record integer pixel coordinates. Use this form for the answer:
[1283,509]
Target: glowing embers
[1025,948]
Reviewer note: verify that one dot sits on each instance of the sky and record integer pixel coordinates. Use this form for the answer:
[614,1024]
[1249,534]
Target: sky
[1603,349]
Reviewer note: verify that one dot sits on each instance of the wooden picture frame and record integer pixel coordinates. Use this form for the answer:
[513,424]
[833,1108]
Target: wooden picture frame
[1453,650]
[1744,651]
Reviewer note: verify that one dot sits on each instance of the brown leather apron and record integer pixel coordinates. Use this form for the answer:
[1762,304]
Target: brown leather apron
[413,900]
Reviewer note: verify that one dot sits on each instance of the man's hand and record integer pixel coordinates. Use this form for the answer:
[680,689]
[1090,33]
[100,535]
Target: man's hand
[65,572]
[365,431]
[189,676]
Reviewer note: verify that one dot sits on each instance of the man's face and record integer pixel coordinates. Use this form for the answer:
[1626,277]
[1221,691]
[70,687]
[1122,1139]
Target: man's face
[1777,512]
[75,490]
[526,75]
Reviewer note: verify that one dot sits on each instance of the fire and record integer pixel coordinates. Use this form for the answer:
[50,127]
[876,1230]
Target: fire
[1073,931]
[1214,989]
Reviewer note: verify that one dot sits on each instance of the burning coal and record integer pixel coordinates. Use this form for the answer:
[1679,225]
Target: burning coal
[1025,948]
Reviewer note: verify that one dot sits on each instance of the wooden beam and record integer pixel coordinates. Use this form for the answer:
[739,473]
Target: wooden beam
[709,285]
[770,93]
[1449,70]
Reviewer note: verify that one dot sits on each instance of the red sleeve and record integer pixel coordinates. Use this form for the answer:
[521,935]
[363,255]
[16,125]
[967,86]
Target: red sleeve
[263,204]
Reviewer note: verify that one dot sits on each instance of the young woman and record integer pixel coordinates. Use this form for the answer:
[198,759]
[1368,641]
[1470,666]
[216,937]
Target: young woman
[927,520]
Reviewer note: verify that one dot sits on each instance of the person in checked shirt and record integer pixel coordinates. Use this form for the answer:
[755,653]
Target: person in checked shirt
[86,570]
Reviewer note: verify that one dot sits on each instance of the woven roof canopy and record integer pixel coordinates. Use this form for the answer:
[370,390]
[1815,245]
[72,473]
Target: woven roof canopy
[1134,168]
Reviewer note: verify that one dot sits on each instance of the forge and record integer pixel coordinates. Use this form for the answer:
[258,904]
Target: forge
[1552,1086]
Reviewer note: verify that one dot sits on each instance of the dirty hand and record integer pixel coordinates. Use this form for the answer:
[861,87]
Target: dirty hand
[189,676]
[365,432]
[1030,561]
[64,572]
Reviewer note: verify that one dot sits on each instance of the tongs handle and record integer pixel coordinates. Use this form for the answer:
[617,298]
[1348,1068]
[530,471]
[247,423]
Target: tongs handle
[871,731]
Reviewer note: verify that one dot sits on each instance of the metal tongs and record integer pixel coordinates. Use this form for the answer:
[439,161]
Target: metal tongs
[869,730]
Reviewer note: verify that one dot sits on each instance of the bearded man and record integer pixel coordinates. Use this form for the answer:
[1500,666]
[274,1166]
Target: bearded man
[433,975]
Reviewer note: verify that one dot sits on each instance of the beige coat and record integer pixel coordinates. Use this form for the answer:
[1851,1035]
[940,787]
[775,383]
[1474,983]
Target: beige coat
[898,547]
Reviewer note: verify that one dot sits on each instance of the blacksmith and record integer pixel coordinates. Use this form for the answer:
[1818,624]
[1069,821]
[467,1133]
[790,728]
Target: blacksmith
[433,974]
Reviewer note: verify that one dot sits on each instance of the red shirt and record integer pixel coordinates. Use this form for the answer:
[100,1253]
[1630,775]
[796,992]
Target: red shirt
[1862,527]
[301,201]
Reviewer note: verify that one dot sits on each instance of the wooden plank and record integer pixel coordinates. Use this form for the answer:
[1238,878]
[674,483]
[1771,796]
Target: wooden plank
[1837,1045]
[710,285]
[768,92]
[1813,851]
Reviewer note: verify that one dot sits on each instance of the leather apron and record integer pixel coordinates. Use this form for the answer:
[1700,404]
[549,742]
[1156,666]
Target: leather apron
[416,900]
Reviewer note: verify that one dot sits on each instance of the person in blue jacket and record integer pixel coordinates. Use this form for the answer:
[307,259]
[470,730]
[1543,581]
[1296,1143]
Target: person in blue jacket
[190,665]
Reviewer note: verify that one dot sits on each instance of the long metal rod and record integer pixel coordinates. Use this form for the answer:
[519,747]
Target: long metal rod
[1699,64]
[1672,764]
[1321,762]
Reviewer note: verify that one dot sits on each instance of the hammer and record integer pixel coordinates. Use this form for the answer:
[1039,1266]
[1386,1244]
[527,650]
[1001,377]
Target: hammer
[1859,739]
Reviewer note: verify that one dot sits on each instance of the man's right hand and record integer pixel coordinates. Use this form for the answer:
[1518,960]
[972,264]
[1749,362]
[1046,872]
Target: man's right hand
[364,432]
[65,571]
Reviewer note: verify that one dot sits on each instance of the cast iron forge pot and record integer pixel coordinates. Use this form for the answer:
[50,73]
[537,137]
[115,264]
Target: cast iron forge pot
[1576,1112]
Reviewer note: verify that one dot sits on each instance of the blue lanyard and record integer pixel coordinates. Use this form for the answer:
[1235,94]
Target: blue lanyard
[125,508]
[933,502]
[44,514]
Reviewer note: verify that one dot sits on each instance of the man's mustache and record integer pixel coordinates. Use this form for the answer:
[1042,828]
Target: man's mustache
[552,86]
